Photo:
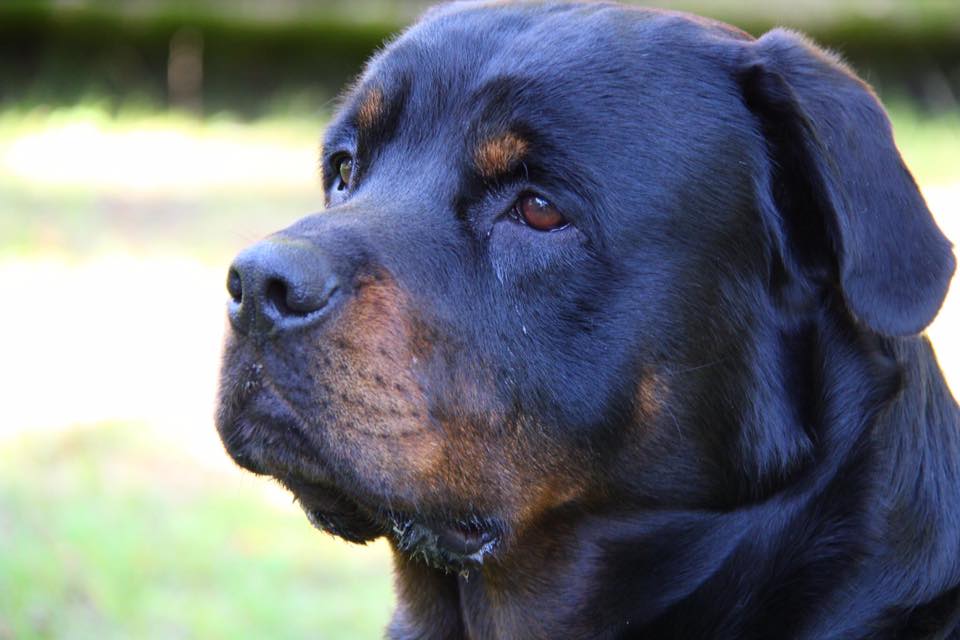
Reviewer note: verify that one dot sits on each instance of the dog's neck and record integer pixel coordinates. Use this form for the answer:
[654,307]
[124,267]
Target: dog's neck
[817,539]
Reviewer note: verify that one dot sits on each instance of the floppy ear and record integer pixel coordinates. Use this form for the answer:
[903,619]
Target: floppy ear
[838,169]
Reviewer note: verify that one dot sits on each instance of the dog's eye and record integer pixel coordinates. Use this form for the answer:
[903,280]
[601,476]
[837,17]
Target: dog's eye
[344,171]
[538,213]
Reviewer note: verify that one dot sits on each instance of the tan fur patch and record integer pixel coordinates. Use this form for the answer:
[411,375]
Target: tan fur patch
[367,369]
[371,109]
[499,154]
[428,439]
[650,396]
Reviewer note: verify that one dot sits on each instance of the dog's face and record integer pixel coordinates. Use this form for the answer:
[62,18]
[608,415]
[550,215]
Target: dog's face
[547,253]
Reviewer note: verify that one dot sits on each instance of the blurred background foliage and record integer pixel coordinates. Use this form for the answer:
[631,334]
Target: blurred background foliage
[142,144]
[301,52]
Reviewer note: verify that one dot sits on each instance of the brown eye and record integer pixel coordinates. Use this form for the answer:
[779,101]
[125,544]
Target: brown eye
[540,214]
[345,171]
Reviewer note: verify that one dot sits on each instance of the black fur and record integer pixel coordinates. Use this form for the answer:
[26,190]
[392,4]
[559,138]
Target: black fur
[718,364]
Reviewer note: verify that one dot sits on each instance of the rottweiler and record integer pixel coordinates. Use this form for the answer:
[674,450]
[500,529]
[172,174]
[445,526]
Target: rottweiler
[612,326]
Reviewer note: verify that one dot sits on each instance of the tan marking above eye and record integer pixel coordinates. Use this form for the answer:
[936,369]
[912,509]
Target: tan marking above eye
[499,154]
[371,109]
[650,395]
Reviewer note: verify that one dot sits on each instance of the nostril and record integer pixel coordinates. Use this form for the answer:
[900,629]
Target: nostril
[235,285]
[276,295]
[291,301]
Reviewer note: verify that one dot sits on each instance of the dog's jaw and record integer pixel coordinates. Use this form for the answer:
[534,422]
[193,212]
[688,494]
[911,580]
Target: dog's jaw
[457,547]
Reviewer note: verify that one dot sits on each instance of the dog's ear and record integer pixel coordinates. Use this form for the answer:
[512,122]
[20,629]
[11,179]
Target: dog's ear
[838,180]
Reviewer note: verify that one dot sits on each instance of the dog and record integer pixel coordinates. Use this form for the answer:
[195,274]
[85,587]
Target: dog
[612,326]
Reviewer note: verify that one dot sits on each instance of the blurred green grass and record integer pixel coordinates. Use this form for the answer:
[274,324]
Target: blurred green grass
[106,532]
[114,529]
[210,221]
[929,142]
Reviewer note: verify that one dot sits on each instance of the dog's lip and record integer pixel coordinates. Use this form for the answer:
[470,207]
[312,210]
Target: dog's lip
[325,504]
[451,544]
[464,541]
[454,541]
[350,527]
[448,542]
[330,509]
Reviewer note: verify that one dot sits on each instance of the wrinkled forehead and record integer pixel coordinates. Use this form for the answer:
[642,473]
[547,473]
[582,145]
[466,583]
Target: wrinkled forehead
[466,42]
[487,65]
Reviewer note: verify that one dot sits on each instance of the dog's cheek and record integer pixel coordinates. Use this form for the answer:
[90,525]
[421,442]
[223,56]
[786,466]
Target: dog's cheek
[548,473]
[367,399]
[412,413]
[403,411]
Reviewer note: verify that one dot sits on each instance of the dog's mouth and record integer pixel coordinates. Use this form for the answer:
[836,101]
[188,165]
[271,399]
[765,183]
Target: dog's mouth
[263,434]
[456,544]
[329,509]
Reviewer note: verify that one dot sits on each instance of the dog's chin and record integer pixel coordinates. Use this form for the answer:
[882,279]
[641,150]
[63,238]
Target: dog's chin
[262,436]
[449,544]
[331,510]
[452,545]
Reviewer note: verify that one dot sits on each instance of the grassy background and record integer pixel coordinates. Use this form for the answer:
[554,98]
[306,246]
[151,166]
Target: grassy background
[120,514]
[107,533]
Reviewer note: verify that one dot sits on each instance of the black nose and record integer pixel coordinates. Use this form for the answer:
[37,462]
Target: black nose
[279,284]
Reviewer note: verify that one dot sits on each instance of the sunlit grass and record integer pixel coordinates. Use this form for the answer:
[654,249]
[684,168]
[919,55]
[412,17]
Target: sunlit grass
[930,143]
[107,532]
[83,149]
[84,180]
[297,126]
[141,527]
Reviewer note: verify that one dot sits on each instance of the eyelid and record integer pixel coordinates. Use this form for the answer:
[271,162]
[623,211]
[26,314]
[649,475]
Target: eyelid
[340,142]
[334,158]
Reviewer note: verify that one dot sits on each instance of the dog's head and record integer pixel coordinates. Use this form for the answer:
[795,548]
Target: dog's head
[570,255]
